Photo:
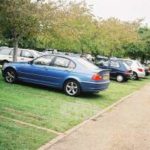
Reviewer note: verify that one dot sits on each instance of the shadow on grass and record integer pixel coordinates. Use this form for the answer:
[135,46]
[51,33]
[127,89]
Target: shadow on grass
[38,86]
[59,91]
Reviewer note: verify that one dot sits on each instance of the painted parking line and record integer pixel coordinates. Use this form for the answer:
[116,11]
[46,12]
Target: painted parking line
[31,125]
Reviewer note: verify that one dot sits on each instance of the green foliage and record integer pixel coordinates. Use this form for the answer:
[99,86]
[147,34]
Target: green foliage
[115,33]
[17,20]
[69,27]
[140,49]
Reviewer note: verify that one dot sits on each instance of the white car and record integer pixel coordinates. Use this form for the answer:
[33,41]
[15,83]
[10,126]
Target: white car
[24,55]
[137,68]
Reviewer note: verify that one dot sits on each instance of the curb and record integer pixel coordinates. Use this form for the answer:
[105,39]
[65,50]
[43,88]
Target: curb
[48,145]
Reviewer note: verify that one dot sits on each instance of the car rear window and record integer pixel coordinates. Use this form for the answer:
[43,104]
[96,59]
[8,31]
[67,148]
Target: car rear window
[128,62]
[114,64]
[72,65]
[127,66]
[86,63]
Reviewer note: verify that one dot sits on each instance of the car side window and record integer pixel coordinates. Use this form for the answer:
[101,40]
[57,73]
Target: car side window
[5,51]
[18,53]
[72,65]
[26,54]
[114,64]
[61,62]
[44,60]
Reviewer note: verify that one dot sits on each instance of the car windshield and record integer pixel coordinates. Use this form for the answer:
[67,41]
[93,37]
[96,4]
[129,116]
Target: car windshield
[87,64]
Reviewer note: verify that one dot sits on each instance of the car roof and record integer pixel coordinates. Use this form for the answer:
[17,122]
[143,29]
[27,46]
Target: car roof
[60,55]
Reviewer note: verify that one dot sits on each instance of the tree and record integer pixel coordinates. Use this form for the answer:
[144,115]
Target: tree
[17,20]
[140,49]
[115,33]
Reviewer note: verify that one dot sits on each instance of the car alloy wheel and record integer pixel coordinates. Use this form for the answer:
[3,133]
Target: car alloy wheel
[120,78]
[134,76]
[72,88]
[10,76]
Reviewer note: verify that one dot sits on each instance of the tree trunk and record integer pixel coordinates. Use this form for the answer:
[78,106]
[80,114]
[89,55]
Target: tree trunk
[15,52]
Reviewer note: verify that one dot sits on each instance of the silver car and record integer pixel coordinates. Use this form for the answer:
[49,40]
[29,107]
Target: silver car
[24,55]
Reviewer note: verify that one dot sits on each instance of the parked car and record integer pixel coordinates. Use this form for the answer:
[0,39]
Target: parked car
[137,68]
[73,74]
[147,69]
[50,51]
[24,55]
[119,70]
[100,58]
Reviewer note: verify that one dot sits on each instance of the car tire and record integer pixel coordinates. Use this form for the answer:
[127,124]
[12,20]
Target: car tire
[134,76]
[10,75]
[72,88]
[120,78]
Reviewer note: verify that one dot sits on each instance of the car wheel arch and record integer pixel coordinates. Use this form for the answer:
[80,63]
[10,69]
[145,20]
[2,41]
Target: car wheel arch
[136,75]
[71,78]
[10,68]
[13,72]
[5,61]
[72,82]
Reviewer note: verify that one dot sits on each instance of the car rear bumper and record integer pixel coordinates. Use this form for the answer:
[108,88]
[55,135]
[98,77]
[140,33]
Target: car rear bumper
[94,87]
[141,74]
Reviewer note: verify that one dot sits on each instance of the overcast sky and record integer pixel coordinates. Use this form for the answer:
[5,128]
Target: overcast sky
[127,10]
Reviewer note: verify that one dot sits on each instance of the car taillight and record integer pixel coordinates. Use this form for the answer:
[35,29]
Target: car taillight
[141,70]
[97,77]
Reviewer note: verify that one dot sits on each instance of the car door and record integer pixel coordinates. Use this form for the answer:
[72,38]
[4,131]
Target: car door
[114,66]
[37,71]
[61,69]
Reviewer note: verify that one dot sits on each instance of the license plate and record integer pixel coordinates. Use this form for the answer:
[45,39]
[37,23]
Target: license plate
[106,77]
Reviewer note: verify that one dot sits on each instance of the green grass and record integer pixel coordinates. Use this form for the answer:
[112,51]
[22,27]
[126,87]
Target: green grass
[14,136]
[52,109]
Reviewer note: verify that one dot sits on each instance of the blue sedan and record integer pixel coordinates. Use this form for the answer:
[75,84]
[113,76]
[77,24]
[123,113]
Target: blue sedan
[72,74]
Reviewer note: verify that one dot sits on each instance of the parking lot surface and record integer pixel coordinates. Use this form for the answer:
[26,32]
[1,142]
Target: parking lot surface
[125,127]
